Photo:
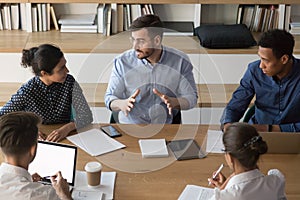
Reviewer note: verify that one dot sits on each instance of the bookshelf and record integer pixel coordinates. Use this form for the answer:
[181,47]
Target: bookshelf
[212,11]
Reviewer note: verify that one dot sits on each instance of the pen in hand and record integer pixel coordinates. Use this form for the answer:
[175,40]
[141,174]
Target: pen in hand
[47,178]
[216,174]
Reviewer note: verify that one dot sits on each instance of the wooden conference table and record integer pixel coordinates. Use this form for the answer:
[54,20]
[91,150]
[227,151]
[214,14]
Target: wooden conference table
[165,178]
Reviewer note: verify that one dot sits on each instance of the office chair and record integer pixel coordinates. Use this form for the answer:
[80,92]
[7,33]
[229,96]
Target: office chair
[250,112]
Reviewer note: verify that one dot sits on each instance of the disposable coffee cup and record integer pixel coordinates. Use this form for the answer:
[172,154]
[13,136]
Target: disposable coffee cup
[93,172]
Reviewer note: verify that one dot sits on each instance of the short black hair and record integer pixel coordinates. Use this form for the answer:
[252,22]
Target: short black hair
[280,41]
[151,22]
[18,132]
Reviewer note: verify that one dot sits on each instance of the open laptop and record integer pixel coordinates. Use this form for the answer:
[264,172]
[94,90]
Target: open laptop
[53,157]
[282,142]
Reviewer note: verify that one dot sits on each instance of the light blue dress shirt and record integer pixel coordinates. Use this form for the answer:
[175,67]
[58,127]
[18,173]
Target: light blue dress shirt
[172,76]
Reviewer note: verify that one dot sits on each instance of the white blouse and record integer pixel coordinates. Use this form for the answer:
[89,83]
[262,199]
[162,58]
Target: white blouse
[253,185]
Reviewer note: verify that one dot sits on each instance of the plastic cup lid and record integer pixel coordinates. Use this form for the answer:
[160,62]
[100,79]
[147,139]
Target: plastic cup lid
[93,167]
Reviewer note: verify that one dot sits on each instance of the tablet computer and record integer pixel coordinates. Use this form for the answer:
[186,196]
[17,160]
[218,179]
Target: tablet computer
[53,157]
[186,149]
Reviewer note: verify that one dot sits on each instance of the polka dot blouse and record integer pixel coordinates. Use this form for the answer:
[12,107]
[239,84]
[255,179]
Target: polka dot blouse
[55,104]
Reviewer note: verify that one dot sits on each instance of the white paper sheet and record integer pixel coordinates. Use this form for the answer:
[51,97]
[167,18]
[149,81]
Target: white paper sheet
[95,142]
[214,142]
[106,187]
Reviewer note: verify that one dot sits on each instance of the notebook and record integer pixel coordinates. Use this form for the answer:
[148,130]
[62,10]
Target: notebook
[196,192]
[153,148]
[282,142]
[53,157]
[186,149]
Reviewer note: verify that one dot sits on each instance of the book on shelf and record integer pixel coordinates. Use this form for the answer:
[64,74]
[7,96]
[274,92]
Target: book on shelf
[44,17]
[48,16]
[281,16]
[287,18]
[14,8]
[6,17]
[178,28]
[120,19]
[28,17]
[100,24]
[197,15]
[151,9]
[114,18]
[136,11]
[146,9]
[125,18]
[107,19]
[34,18]
[39,17]
[1,23]
[128,9]
[54,19]
[23,20]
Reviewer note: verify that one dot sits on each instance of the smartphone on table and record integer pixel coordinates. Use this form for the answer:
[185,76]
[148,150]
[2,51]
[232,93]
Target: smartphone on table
[111,131]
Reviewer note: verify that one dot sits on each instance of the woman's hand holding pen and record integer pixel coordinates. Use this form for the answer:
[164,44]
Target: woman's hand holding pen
[220,181]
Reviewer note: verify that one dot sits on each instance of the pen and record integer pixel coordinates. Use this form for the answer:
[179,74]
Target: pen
[48,177]
[217,172]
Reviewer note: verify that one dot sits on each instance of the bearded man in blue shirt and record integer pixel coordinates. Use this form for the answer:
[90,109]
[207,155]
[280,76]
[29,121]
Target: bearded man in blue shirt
[150,83]
[274,80]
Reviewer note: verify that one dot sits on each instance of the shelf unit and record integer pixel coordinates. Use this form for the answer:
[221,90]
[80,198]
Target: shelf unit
[15,41]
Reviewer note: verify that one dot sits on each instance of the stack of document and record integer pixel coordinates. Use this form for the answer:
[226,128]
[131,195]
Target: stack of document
[95,142]
[153,148]
[80,23]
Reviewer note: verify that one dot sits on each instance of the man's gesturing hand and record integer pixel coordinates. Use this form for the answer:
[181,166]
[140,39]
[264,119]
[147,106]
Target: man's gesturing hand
[167,100]
[128,104]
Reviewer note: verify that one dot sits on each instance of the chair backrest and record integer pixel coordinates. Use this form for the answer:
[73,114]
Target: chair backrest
[250,112]
[114,117]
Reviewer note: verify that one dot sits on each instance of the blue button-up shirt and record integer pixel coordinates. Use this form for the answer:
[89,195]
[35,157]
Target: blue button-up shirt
[276,101]
[172,76]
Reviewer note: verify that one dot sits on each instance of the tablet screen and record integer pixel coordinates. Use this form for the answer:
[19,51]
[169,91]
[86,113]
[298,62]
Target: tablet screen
[186,149]
[53,157]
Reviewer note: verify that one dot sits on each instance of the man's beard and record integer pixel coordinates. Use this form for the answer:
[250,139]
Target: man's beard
[146,54]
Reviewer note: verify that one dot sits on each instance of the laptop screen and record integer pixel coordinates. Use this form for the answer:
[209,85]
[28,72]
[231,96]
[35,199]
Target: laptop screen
[53,157]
